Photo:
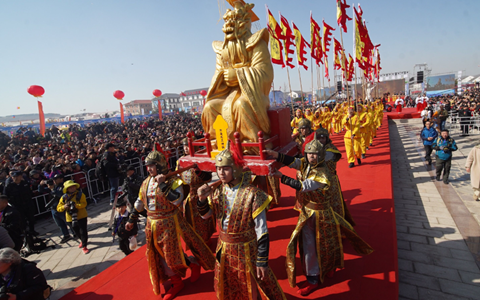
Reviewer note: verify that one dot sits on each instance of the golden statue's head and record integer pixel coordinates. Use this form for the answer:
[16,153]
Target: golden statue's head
[238,21]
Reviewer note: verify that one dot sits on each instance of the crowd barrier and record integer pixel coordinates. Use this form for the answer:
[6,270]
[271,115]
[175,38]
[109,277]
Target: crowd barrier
[93,187]
[463,125]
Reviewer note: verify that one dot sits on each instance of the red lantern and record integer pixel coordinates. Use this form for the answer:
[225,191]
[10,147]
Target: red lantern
[118,95]
[36,91]
[203,93]
[157,93]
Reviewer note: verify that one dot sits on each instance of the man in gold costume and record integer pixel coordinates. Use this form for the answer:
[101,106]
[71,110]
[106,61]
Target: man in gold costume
[242,252]
[193,179]
[319,230]
[305,129]
[243,77]
[162,197]
[296,120]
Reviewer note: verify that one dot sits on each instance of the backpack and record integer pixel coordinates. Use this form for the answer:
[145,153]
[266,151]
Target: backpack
[100,171]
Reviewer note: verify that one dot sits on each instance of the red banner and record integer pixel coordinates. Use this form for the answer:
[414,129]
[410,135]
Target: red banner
[160,111]
[122,117]
[41,116]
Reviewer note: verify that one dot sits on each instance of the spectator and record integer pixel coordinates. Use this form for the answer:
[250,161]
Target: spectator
[20,278]
[428,136]
[119,227]
[111,165]
[442,116]
[444,145]
[473,167]
[20,195]
[74,204]
[464,114]
[56,188]
[12,221]
[131,185]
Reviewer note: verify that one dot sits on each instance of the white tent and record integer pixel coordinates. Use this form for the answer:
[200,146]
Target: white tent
[467,79]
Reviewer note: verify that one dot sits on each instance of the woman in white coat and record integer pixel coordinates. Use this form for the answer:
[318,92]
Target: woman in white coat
[473,167]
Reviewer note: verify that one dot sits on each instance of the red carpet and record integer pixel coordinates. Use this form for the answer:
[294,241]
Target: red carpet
[407,113]
[369,193]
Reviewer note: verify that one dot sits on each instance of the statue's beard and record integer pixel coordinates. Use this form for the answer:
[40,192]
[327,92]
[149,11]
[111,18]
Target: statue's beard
[236,49]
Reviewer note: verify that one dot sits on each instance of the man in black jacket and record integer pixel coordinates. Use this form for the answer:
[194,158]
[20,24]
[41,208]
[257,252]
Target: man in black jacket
[20,195]
[12,221]
[131,185]
[464,114]
[111,165]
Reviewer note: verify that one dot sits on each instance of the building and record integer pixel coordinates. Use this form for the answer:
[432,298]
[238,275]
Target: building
[192,100]
[187,101]
[135,107]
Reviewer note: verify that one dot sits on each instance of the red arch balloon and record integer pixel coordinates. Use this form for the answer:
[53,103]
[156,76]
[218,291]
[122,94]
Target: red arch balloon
[203,93]
[36,90]
[119,95]
[157,93]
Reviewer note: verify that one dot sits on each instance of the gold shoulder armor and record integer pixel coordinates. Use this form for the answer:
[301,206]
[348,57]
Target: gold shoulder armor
[319,176]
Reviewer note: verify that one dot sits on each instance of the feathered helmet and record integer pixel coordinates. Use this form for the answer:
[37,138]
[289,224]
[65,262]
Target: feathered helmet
[304,124]
[313,145]
[230,157]
[158,158]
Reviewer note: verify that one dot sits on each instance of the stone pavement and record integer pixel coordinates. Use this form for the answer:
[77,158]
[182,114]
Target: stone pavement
[438,237]
[66,267]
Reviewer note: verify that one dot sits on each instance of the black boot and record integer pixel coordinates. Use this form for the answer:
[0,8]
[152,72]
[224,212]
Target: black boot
[363,156]
[359,161]
[351,165]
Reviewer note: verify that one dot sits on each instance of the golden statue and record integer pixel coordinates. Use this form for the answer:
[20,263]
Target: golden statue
[243,77]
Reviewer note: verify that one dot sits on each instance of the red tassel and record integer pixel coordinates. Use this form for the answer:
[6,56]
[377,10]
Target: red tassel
[237,157]
[157,147]
[308,139]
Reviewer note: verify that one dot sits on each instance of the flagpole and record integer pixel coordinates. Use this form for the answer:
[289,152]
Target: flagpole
[354,54]
[301,89]
[290,87]
[323,81]
[311,67]
[344,63]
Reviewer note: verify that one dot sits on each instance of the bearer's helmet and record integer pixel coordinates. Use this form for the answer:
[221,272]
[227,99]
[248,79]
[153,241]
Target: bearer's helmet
[230,158]
[304,124]
[314,146]
[158,159]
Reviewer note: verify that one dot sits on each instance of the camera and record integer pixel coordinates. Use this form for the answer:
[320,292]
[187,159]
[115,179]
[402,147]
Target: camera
[73,212]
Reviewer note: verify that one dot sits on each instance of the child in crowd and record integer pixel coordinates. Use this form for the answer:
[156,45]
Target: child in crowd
[119,227]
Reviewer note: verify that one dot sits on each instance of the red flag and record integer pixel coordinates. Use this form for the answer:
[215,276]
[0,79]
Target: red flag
[122,117]
[342,17]
[337,54]
[316,49]
[351,66]
[287,41]
[160,116]
[41,116]
[327,37]
[276,47]
[300,43]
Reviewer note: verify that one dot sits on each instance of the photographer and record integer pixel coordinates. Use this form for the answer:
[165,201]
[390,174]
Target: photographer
[12,221]
[131,185]
[20,278]
[74,204]
[55,187]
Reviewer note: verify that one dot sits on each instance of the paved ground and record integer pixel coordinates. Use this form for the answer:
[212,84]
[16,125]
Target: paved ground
[66,267]
[437,229]
[437,254]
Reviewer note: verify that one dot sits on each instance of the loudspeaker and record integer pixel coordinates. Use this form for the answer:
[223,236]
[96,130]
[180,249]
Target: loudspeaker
[419,76]
[339,86]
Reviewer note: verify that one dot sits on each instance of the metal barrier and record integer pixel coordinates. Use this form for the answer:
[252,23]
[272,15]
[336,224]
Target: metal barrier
[97,186]
[40,202]
[463,125]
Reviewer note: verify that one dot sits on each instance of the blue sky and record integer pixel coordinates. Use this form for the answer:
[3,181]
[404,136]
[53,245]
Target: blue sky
[82,51]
